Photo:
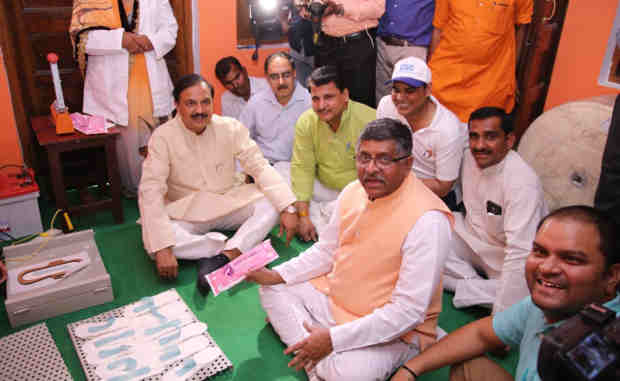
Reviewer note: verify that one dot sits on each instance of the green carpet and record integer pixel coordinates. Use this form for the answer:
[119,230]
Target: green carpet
[235,318]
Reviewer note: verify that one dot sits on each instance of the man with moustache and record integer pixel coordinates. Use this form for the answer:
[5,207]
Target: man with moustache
[438,137]
[271,114]
[324,151]
[574,261]
[240,87]
[189,187]
[503,201]
[365,297]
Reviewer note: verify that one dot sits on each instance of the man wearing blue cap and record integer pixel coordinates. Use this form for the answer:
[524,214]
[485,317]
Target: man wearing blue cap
[439,139]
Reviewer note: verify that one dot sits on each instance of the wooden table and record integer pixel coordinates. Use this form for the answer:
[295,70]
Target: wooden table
[57,144]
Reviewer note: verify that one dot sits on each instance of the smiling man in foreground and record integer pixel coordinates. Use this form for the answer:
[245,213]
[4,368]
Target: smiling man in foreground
[574,261]
[189,187]
[365,297]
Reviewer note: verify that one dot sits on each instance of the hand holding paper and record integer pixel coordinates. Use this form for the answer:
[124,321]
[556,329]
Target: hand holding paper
[235,271]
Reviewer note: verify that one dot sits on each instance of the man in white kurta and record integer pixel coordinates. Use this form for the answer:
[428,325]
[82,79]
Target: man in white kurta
[303,297]
[189,186]
[439,139]
[504,202]
[240,87]
[104,39]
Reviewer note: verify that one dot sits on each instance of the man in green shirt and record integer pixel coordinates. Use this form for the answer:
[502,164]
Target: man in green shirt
[323,159]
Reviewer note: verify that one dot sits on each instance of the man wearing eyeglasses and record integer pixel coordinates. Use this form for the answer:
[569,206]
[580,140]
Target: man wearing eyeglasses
[271,114]
[367,295]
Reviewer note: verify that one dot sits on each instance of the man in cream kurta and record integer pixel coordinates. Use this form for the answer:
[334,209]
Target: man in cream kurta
[189,186]
[366,296]
[504,202]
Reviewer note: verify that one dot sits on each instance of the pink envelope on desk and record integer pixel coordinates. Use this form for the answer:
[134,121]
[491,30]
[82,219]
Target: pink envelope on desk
[235,271]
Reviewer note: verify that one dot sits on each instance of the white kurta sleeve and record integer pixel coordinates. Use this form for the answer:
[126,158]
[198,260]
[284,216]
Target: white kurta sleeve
[105,42]
[157,230]
[319,258]
[424,253]
[164,37]
[525,207]
[254,164]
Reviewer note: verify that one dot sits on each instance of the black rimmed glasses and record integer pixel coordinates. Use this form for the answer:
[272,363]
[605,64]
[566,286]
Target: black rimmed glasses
[277,76]
[381,161]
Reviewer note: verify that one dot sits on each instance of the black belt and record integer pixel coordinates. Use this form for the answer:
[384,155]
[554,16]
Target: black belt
[394,41]
[341,40]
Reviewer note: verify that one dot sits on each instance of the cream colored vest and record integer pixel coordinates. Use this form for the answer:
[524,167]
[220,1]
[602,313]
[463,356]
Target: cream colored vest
[368,258]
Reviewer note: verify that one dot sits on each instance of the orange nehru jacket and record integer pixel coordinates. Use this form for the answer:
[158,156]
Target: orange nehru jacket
[368,258]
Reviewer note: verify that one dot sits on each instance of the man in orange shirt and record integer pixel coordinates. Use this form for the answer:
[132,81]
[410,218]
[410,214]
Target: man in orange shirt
[474,49]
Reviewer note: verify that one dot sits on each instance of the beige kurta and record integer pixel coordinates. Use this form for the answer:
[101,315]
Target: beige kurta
[191,177]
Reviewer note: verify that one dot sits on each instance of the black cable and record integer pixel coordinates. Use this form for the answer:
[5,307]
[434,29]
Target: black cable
[8,235]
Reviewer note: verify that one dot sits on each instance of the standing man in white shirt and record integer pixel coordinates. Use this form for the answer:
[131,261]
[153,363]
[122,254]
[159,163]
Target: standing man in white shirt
[271,114]
[438,137]
[120,49]
[504,202]
[367,295]
[240,87]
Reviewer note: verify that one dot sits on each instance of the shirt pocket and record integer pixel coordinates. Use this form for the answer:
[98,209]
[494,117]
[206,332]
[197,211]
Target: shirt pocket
[495,225]
[497,16]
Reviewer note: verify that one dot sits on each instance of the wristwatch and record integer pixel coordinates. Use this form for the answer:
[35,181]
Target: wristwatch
[291,209]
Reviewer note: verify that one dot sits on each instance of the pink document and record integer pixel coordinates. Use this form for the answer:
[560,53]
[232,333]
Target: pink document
[235,271]
[88,124]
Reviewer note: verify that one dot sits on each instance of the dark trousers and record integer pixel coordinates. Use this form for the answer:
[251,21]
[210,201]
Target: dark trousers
[608,192]
[355,58]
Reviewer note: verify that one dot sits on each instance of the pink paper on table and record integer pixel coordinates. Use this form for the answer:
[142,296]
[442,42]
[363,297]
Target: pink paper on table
[235,271]
[88,124]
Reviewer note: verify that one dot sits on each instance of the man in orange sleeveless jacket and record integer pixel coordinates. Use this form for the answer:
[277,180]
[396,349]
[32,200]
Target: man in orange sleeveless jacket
[367,295]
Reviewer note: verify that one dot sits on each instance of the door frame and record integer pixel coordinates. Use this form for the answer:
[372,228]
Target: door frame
[21,85]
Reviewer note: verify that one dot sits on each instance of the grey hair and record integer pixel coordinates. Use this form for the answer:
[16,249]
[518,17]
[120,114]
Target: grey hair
[388,129]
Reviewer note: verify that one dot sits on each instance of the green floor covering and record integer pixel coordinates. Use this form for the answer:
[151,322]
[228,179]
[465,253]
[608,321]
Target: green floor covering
[235,319]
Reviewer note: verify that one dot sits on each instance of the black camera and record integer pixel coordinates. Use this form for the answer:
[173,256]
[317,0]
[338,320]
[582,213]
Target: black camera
[584,348]
[316,9]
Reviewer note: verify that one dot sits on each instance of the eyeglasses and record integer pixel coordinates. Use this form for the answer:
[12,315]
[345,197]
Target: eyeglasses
[382,161]
[285,75]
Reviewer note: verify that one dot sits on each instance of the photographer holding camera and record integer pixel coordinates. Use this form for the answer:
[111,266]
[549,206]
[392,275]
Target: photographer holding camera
[575,261]
[346,41]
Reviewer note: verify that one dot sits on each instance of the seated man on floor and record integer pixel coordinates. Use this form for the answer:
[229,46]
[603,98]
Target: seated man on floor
[324,152]
[439,139]
[574,261]
[240,87]
[504,201]
[189,187]
[271,114]
[366,296]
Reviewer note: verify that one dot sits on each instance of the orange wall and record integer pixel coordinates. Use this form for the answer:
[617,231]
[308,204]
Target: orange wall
[582,49]
[578,62]
[10,151]
[218,38]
